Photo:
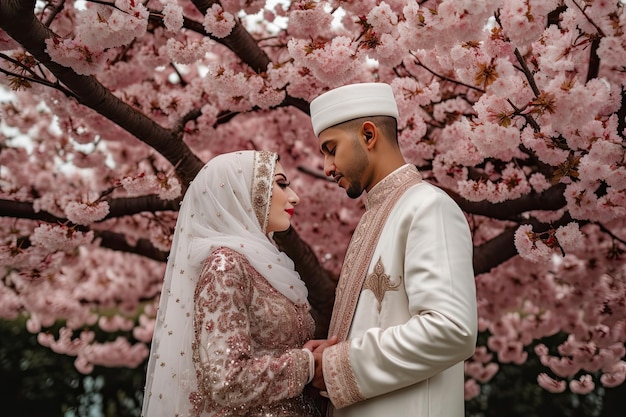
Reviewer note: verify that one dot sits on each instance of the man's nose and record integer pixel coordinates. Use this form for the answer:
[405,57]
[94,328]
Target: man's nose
[329,168]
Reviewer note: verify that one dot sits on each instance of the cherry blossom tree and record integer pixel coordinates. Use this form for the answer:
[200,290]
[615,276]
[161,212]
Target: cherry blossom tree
[515,107]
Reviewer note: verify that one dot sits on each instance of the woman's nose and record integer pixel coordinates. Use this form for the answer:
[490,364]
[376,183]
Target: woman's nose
[293,198]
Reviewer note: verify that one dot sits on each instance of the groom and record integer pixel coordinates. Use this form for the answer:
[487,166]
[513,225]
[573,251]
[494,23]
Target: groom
[405,310]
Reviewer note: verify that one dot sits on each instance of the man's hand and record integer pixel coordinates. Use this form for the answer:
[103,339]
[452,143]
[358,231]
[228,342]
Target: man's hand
[315,344]
[318,346]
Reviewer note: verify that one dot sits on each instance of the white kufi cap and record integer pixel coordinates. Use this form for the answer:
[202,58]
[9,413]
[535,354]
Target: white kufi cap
[352,102]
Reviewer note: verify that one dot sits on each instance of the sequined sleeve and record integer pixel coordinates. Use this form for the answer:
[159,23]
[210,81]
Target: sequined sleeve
[232,374]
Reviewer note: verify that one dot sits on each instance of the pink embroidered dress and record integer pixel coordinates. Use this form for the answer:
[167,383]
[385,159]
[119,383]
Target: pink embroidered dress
[233,314]
[246,342]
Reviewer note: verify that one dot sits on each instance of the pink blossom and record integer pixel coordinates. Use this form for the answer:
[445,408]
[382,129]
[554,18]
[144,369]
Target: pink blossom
[140,184]
[563,367]
[248,6]
[333,62]
[267,97]
[172,16]
[102,27]
[541,349]
[144,331]
[382,18]
[387,51]
[72,53]
[539,182]
[529,247]
[414,148]
[308,19]
[11,304]
[186,52]
[581,201]
[550,384]
[409,92]
[524,21]
[218,22]
[583,385]
[570,237]
[115,323]
[450,22]
[497,141]
[450,173]
[614,376]
[112,354]
[512,351]
[33,325]
[86,213]
[160,238]
[479,372]
[175,104]
[482,355]
[611,51]
[170,188]
[83,365]
[59,237]
[543,146]
[618,350]
[471,389]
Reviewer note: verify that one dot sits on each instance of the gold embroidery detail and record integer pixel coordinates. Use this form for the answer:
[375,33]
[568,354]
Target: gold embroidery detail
[379,283]
[261,188]
[379,203]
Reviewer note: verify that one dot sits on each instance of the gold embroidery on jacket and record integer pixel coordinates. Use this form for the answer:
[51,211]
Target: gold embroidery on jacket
[379,283]
[379,203]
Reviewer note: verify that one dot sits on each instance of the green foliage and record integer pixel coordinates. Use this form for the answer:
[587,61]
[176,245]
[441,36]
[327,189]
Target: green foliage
[34,381]
[514,392]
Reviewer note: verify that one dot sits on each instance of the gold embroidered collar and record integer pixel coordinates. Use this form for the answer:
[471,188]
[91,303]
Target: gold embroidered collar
[383,190]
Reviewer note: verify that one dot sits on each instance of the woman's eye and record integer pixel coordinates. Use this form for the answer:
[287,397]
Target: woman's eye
[283,184]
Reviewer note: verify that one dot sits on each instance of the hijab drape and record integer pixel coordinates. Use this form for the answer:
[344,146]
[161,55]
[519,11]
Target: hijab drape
[226,205]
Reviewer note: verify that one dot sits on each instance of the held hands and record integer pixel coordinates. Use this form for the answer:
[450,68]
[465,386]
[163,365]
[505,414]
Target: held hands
[318,346]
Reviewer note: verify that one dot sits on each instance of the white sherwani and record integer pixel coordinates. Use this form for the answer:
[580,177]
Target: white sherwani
[405,310]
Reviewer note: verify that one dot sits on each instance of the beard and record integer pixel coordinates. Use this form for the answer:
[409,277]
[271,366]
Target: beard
[354,172]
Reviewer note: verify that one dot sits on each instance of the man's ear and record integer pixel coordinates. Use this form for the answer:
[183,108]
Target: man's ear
[370,133]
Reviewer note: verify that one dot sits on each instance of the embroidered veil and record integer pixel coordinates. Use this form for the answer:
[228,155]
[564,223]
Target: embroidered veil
[226,205]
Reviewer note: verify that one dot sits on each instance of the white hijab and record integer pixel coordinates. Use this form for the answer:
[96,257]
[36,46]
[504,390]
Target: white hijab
[226,205]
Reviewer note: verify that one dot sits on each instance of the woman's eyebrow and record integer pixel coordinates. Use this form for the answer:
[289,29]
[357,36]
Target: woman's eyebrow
[282,175]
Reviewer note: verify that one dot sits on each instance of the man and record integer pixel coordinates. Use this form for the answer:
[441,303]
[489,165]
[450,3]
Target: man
[405,307]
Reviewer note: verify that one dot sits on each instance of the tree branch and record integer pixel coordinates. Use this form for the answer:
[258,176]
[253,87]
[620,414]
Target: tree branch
[494,252]
[110,240]
[118,207]
[117,241]
[25,210]
[527,73]
[502,247]
[242,44]
[129,206]
[18,20]
[550,199]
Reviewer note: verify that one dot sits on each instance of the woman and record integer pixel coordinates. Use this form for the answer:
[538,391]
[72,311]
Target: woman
[233,313]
